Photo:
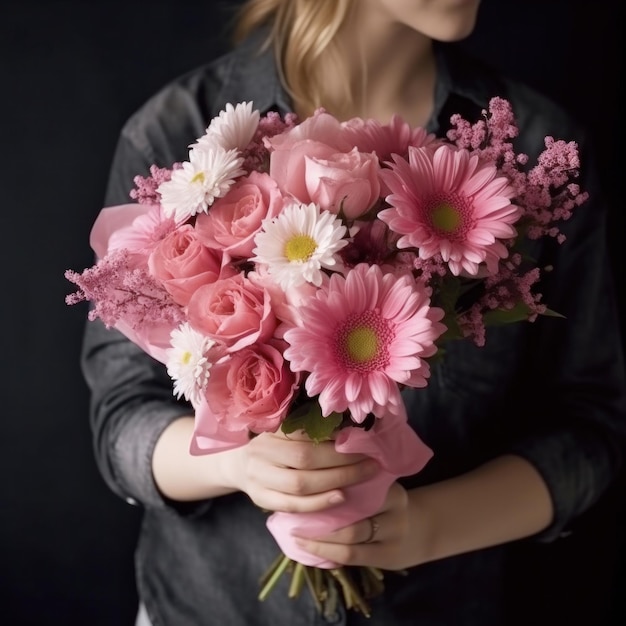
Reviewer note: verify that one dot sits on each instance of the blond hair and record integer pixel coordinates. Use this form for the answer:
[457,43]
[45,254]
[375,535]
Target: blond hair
[302,35]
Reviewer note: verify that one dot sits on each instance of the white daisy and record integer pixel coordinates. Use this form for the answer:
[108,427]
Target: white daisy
[233,128]
[188,363]
[300,241]
[207,175]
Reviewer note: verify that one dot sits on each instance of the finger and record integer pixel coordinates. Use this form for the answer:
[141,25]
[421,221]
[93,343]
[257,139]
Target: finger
[368,530]
[303,453]
[308,482]
[373,529]
[345,553]
[278,501]
[310,455]
[283,489]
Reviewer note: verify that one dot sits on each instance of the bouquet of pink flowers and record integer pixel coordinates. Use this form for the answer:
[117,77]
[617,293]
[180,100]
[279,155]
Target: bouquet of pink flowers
[298,276]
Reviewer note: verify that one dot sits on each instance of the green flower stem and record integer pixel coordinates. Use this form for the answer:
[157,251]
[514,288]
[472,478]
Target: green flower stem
[270,570]
[352,597]
[313,590]
[325,585]
[317,579]
[297,580]
[274,577]
[371,581]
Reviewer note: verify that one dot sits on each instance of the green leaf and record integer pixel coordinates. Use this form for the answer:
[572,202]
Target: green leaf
[308,417]
[448,294]
[453,330]
[519,313]
[551,313]
[499,317]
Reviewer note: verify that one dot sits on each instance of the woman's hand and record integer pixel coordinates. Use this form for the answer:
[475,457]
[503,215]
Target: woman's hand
[390,539]
[293,474]
[503,500]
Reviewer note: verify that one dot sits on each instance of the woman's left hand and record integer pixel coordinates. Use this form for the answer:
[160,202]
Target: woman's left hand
[390,539]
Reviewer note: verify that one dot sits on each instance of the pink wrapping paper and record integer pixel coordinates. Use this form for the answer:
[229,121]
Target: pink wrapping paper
[398,450]
[210,436]
[111,219]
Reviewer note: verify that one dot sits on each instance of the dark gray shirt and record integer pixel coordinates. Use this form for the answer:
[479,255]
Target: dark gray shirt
[551,391]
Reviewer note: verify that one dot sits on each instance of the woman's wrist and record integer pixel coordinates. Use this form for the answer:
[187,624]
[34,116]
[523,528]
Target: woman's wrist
[181,476]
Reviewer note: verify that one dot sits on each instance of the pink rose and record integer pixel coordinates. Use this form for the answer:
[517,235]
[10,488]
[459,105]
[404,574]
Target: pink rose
[344,181]
[252,389]
[234,220]
[182,263]
[233,311]
[285,304]
[314,163]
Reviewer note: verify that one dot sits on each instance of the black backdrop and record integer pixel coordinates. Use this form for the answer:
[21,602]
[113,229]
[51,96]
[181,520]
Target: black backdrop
[70,74]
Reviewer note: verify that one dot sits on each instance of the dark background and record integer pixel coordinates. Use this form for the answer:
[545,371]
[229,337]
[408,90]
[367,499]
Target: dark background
[70,74]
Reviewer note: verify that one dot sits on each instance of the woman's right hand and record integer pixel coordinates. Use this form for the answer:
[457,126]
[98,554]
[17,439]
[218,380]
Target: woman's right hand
[291,473]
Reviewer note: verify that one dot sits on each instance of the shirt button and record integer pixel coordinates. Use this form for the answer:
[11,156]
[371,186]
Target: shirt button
[132,501]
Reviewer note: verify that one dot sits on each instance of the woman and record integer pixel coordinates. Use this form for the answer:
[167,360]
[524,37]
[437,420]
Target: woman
[527,432]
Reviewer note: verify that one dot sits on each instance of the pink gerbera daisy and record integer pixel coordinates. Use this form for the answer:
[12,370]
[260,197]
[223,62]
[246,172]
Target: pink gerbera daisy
[369,135]
[362,336]
[447,202]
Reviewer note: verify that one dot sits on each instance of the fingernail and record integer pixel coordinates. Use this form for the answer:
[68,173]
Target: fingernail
[336,498]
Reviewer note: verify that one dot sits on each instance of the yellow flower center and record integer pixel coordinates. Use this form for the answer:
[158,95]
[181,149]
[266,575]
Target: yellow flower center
[198,178]
[300,248]
[362,344]
[185,357]
[445,217]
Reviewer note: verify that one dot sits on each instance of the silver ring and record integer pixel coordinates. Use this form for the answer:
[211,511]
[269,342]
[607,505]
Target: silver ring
[374,528]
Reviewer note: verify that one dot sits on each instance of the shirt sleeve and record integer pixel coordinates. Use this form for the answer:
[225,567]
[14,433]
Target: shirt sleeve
[578,434]
[131,393]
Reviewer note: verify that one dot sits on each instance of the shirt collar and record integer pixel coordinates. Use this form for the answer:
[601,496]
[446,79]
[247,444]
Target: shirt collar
[252,76]
[459,77]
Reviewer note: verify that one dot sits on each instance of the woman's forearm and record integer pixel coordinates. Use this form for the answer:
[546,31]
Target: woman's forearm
[504,500]
[181,476]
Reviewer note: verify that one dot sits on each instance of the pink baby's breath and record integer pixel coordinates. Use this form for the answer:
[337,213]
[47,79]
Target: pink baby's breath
[145,191]
[510,288]
[256,155]
[545,192]
[122,291]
